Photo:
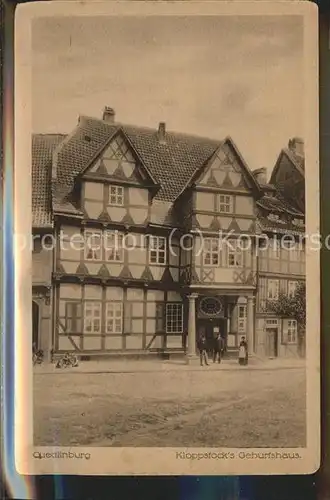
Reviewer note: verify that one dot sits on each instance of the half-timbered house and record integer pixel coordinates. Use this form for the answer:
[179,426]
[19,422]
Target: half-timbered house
[155,242]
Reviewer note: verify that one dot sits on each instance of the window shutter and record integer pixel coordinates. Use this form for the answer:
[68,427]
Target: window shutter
[285,327]
[79,318]
[160,317]
[127,318]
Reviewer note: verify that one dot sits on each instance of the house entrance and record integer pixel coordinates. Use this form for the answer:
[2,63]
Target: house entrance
[272,342]
[35,325]
[210,328]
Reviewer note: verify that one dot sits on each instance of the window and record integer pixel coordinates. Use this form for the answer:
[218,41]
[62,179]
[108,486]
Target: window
[174,318]
[92,317]
[210,306]
[116,196]
[241,319]
[93,245]
[271,323]
[211,253]
[292,286]
[275,249]
[234,255]
[273,289]
[157,250]
[113,246]
[292,331]
[73,317]
[37,246]
[114,317]
[294,253]
[225,203]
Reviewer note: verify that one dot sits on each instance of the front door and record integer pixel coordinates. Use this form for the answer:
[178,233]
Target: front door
[210,328]
[271,342]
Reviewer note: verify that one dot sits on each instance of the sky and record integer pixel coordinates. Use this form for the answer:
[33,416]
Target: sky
[211,76]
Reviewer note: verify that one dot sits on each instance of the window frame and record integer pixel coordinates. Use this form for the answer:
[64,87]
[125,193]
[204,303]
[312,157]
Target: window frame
[87,248]
[295,282]
[235,253]
[174,315]
[294,253]
[211,252]
[241,328]
[225,204]
[275,249]
[157,250]
[92,304]
[114,317]
[116,195]
[292,330]
[77,318]
[118,250]
[269,281]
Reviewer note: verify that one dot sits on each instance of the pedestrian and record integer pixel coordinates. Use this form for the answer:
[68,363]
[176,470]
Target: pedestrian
[243,352]
[202,347]
[218,348]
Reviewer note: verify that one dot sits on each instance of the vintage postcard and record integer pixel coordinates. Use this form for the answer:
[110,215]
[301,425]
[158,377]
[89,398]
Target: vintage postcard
[167,238]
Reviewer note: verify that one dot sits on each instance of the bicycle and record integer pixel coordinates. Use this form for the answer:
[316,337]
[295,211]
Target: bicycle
[67,360]
[37,357]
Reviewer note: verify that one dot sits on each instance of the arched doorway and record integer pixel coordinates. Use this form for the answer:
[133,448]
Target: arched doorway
[35,324]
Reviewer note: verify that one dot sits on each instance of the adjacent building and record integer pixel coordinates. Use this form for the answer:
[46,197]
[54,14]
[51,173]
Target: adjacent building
[154,237]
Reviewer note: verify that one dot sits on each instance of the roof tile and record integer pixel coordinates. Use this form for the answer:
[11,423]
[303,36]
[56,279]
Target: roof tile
[43,146]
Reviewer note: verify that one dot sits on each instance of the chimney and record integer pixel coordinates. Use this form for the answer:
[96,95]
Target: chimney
[109,115]
[162,132]
[296,145]
[260,174]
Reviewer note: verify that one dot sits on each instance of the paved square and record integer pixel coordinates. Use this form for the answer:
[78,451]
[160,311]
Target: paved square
[204,406]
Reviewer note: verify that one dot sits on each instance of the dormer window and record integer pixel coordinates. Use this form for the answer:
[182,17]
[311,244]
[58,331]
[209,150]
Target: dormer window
[225,204]
[116,196]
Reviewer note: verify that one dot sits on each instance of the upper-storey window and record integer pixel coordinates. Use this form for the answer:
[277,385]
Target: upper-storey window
[116,196]
[294,251]
[157,250]
[93,245]
[211,253]
[274,248]
[273,288]
[225,203]
[113,246]
[234,254]
[292,287]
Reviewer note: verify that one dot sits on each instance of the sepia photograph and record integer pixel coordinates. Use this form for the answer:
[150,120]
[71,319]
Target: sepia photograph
[171,172]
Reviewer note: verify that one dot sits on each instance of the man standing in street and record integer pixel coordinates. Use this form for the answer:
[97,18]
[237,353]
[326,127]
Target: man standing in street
[218,348]
[202,346]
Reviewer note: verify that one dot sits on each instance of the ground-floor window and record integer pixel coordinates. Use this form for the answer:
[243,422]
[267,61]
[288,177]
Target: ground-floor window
[92,317]
[290,331]
[114,317]
[174,318]
[73,317]
[241,319]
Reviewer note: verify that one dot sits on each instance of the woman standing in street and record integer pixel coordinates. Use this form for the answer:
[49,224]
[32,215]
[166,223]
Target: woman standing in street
[243,352]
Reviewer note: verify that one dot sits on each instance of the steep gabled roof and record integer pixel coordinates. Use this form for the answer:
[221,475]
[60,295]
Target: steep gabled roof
[228,140]
[171,163]
[297,161]
[121,130]
[43,146]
